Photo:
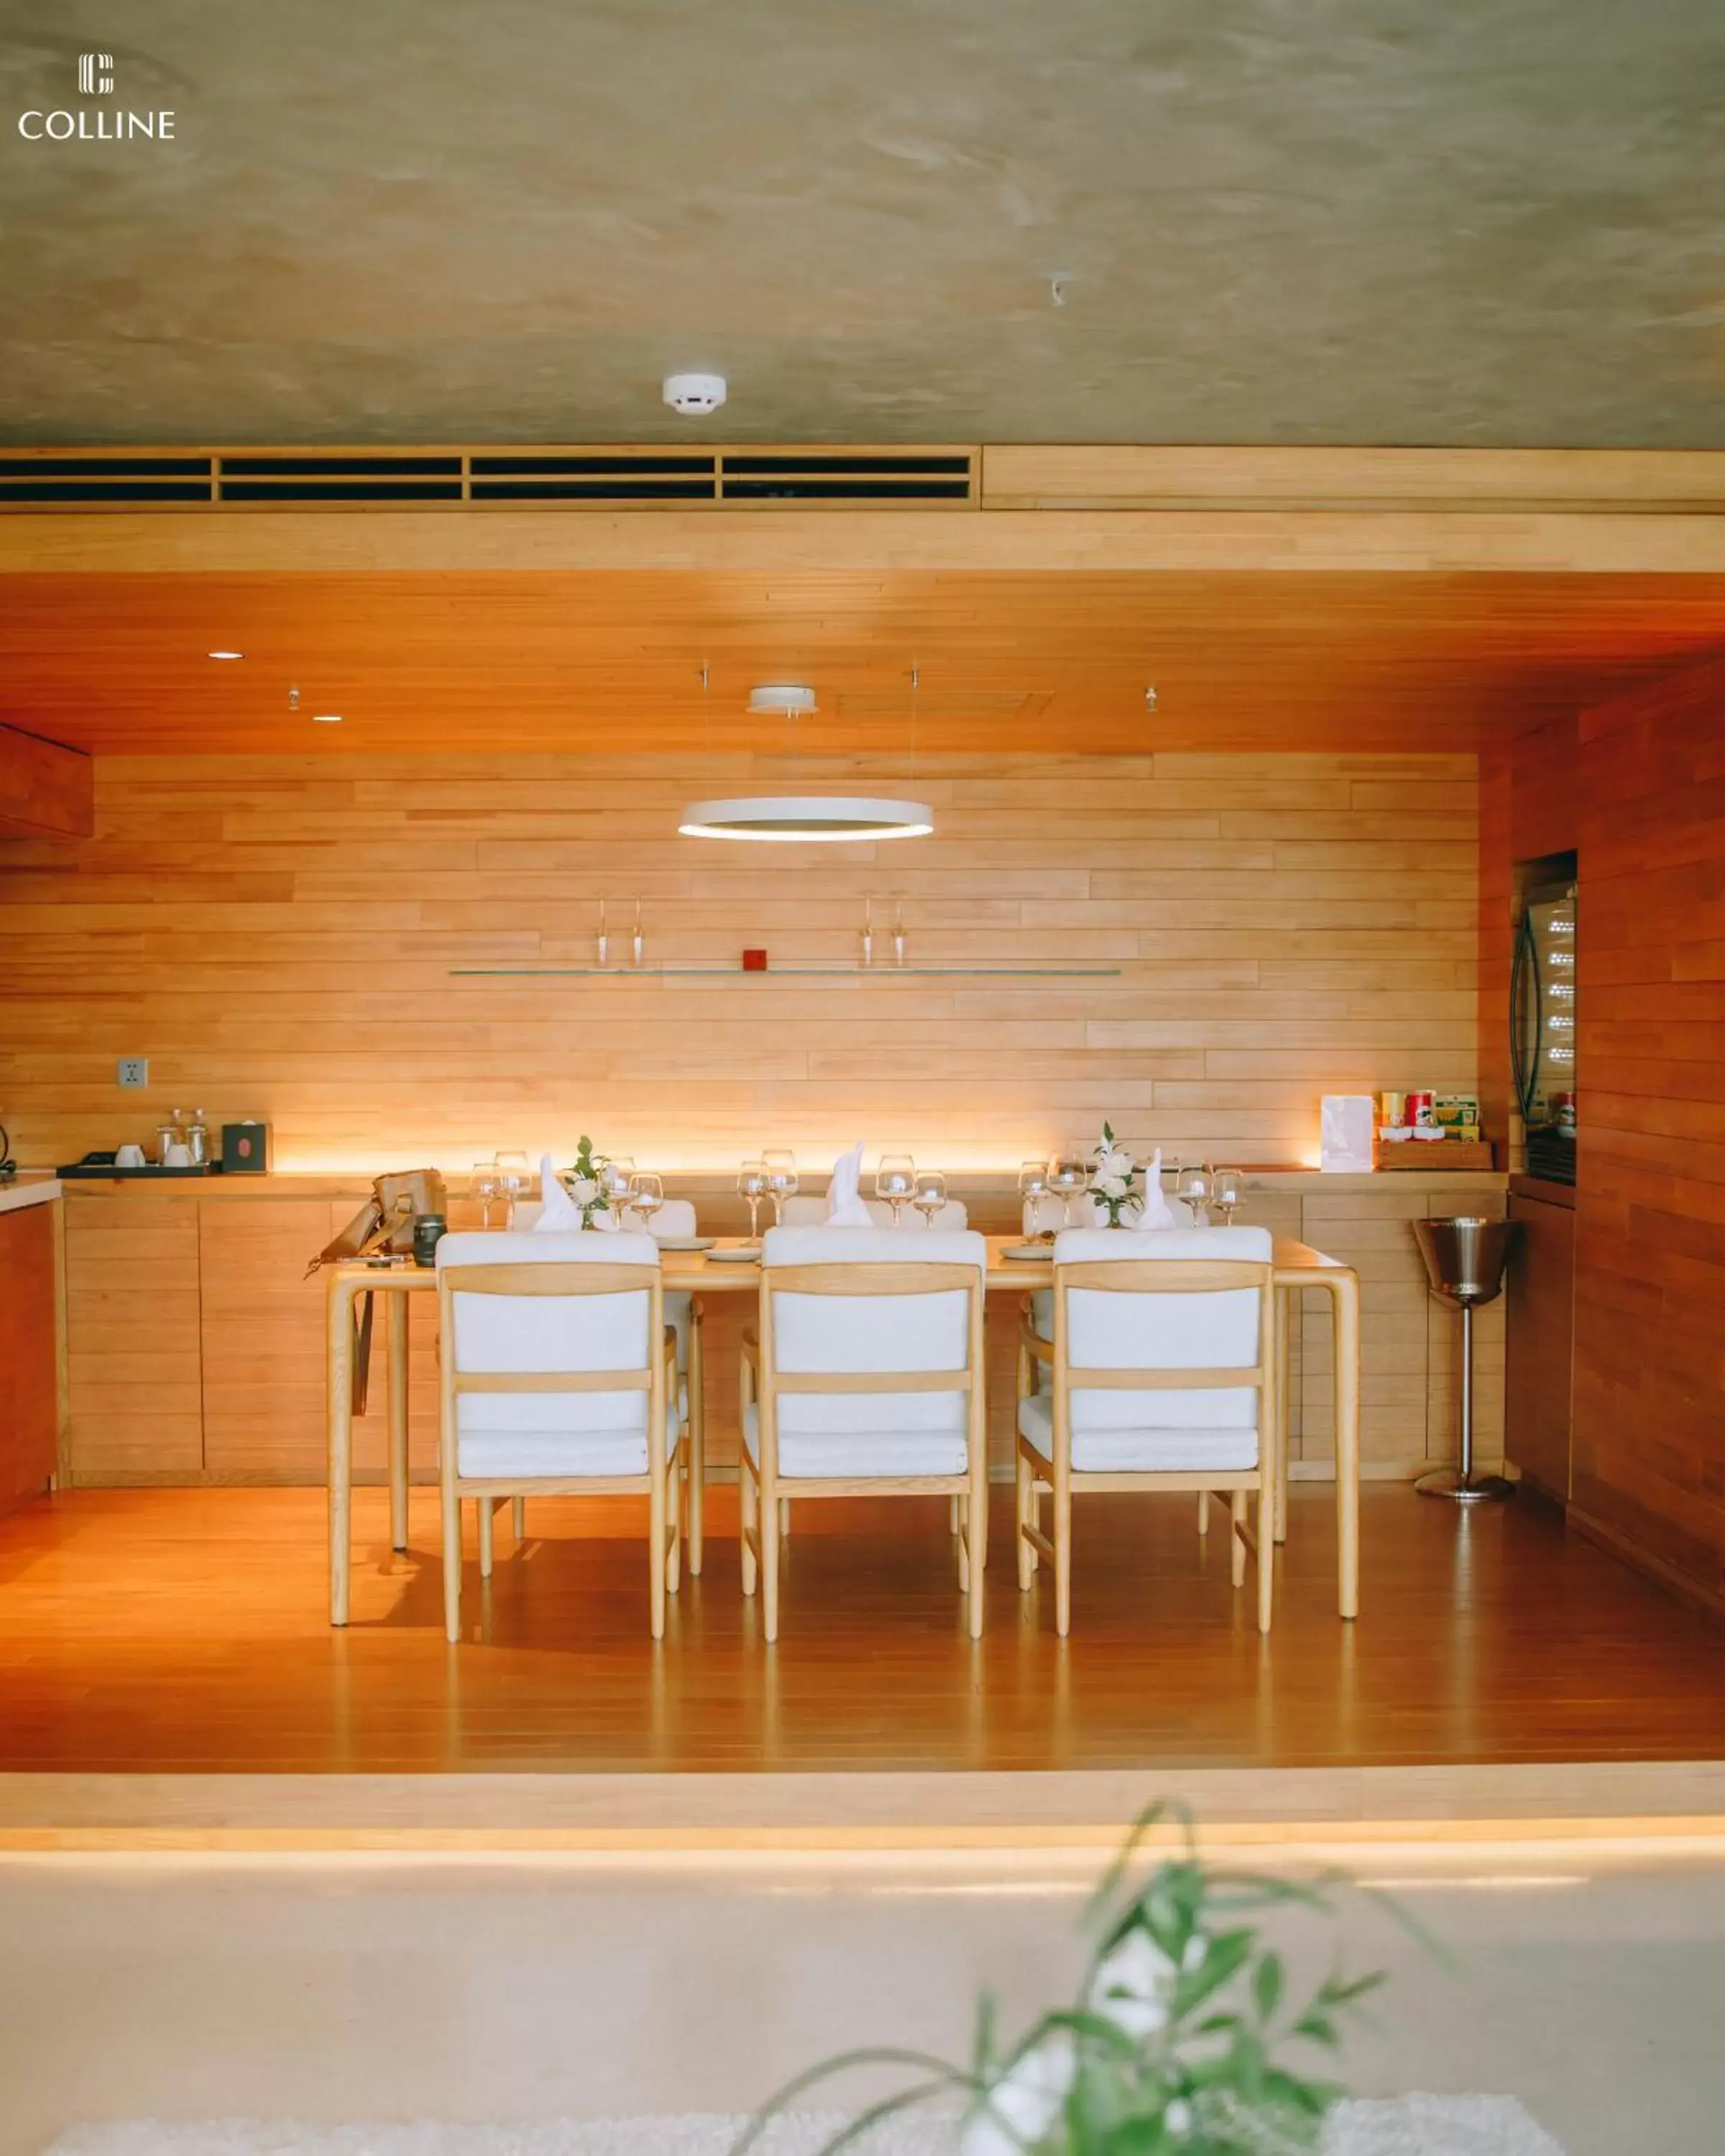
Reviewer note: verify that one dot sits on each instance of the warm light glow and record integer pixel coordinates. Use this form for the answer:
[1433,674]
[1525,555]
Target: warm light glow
[807,819]
[327,718]
[225,655]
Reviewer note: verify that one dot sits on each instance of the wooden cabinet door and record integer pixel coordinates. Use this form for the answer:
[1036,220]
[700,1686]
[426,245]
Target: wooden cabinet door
[29,1356]
[1541,1345]
[264,1414]
[136,1394]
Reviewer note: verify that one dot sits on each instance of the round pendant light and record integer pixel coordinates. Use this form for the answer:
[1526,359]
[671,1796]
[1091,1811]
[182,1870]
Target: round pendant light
[808,818]
[802,819]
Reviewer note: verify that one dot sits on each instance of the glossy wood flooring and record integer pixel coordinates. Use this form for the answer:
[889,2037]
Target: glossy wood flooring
[184,1630]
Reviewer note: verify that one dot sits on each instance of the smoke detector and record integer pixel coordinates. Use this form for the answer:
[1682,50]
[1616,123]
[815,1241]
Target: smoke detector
[695,395]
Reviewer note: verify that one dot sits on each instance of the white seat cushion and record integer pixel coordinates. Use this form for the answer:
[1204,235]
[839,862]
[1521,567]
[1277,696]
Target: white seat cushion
[589,1455]
[1143,1449]
[856,1455]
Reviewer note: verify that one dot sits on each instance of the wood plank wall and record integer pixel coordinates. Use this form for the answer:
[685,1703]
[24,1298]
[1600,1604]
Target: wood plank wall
[276,934]
[1638,785]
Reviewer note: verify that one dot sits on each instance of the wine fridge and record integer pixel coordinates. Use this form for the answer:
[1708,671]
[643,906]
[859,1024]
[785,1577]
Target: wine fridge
[1543,1026]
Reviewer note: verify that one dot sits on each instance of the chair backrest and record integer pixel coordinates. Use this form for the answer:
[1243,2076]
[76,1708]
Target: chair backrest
[571,1311]
[1195,1300]
[810,1212]
[857,1303]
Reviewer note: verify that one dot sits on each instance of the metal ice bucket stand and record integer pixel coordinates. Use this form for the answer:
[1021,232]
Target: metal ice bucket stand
[1463,1263]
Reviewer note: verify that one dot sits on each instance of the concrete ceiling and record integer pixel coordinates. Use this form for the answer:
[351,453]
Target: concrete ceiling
[1484,222]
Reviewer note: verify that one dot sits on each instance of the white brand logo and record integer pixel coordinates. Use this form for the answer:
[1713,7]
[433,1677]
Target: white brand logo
[95,78]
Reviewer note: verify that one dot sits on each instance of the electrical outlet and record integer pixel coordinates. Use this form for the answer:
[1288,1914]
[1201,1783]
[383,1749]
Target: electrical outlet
[132,1073]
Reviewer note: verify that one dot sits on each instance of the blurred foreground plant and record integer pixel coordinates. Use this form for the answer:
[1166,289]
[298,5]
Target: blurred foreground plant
[1177,2044]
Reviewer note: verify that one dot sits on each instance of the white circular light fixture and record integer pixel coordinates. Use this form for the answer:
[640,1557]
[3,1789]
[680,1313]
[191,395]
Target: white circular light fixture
[807,820]
[791,700]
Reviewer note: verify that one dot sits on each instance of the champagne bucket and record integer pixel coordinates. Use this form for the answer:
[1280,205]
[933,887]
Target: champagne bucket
[1464,1258]
[1464,1267]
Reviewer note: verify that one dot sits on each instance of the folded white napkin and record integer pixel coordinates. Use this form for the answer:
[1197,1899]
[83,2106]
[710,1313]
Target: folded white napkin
[846,1208]
[1154,1213]
[560,1216]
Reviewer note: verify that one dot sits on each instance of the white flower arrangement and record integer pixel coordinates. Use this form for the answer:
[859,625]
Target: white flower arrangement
[587,1182]
[1115,1179]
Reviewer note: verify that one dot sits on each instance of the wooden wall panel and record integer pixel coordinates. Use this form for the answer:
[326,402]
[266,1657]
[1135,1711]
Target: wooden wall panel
[263,1339]
[29,1354]
[44,788]
[132,1320]
[277,934]
[1649,1362]
[1638,785]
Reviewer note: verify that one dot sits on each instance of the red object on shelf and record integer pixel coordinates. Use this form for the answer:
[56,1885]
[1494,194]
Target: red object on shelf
[754,962]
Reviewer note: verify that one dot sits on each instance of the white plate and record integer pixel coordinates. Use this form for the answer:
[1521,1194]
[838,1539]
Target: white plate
[1029,1250]
[683,1242]
[749,1255]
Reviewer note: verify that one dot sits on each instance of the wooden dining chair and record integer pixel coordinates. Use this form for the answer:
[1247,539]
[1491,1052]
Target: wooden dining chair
[557,1378]
[867,1378]
[1161,1375]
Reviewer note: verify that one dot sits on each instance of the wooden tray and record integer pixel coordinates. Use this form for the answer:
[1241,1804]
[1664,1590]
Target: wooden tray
[1449,1154]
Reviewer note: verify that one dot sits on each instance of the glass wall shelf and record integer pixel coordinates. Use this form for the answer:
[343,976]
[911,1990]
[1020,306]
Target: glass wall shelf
[781,972]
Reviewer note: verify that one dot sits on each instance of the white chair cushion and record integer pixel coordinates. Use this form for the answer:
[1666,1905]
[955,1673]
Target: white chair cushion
[856,1455]
[1123,1331]
[591,1455]
[814,1333]
[511,1332]
[1143,1451]
[675,1217]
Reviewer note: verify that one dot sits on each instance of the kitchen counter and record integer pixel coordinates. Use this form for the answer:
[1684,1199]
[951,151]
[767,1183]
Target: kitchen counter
[34,1187]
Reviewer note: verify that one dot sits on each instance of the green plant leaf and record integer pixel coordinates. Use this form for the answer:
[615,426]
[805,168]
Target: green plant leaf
[1317,2029]
[1228,1952]
[1267,1985]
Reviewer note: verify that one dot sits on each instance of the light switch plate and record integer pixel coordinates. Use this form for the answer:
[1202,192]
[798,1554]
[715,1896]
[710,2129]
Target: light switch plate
[132,1073]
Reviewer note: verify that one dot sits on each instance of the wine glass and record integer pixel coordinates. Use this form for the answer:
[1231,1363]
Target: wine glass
[646,1195]
[516,1171]
[895,1180]
[780,1164]
[485,1184]
[1195,1185]
[752,1185]
[614,1180]
[1068,1174]
[1227,1191]
[1033,1189]
[930,1195]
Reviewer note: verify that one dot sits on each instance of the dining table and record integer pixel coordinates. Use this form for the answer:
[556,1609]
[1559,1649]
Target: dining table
[1297,1269]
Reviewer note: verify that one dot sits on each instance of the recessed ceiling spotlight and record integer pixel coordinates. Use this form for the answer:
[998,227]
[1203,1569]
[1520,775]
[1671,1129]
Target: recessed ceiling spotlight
[224,654]
[327,718]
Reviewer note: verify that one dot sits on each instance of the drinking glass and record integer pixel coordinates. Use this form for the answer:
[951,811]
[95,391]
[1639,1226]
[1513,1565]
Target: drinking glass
[1196,1186]
[752,1185]
[895,1180]
[485,1184]
[781,1165]
[930,1196]
[1068,1174]
[614,1181]
[516,1171]
[1227,1191]
[1033,1189]
[646,1195]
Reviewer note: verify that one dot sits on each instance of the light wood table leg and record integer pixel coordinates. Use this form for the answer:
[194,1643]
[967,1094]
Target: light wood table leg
[397,1421]
[1287,1317]
[1344,1305]
[339,1357]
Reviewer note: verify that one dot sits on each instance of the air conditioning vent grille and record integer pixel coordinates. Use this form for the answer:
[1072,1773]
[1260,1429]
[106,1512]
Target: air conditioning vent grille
[558,476]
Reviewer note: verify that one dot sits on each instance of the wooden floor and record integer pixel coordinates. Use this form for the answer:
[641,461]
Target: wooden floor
[184,1632]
